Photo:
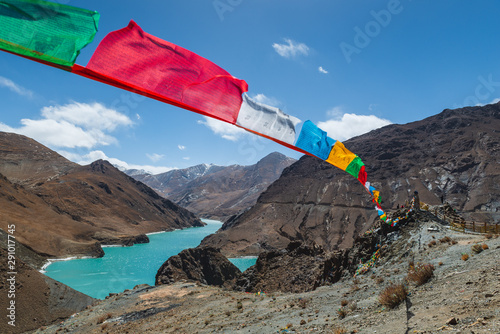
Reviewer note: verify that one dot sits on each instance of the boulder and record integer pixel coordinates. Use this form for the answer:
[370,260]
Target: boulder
[204,264]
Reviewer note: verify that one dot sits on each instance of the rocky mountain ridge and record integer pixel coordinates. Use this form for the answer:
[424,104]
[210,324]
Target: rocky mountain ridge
[217,192]
[453,156]
[60,208]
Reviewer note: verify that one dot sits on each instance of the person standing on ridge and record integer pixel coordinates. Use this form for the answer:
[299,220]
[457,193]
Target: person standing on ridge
[416,201]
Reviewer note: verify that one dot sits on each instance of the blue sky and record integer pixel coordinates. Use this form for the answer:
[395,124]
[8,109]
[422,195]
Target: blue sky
[348,66]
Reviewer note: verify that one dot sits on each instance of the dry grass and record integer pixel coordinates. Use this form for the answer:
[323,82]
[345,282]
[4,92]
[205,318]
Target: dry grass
[342,312]
[477,249]
[393,295]
[302,302]
[339,330]
[355,288]
[103,318]
[344,302]
[485,246]
[465,256]
[446,239]
[421,273]
[432,243]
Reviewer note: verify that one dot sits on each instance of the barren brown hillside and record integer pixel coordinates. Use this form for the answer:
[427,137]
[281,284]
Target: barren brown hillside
[61,208]
[454,156]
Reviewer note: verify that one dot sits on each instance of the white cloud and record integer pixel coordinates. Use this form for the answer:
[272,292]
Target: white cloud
[89,116]
[96,155]
[291,49]
[322,70]
[63,134]
[181,147]
[335,112]
[155,157]
[73,125]
[270,101]
[225,130]
[7,83]
[187,158]
[494,101]
[351,125]
[6,128]
[75,157]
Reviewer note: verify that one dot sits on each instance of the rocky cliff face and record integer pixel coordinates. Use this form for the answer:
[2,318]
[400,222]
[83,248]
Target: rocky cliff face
[218,192]
[454,156]
[60,208]
[205,265]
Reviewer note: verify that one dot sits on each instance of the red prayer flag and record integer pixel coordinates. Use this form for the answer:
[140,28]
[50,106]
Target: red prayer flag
[154,67]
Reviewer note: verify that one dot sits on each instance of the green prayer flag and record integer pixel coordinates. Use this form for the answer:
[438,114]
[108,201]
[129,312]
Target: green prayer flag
[45,30]
[354,167]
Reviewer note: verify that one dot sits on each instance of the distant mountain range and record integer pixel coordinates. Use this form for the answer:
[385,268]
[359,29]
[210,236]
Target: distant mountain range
[60,208]
[217,192]
[453,156]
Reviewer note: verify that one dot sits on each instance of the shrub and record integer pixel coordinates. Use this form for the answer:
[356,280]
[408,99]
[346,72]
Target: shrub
[440,263]
[432,243]
[488,236]
[303,302]
[485,246]
[393,295]
[445,239]
[380,280]
[344,302]
[104,318]
[421,273]
[355,288]
[477,249]
[342,312]
[465,256]
[340,330]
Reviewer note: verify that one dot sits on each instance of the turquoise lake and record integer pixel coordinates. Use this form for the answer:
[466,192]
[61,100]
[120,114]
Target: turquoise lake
[123,268]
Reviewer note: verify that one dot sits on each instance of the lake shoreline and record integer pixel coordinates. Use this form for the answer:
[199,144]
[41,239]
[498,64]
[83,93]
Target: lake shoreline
[123,267]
